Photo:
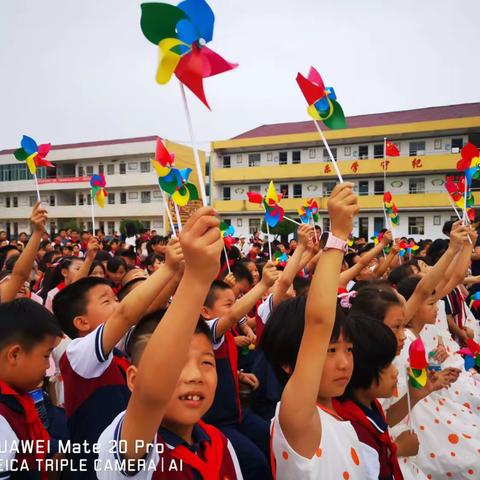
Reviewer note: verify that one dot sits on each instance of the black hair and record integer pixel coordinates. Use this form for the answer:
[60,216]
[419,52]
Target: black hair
[447,227]
[217,285]
[72,302]
[150,260]
[400,273]
[408,286]
[114,263]
[156,240]
[27,323]
[130,229]
[54,276]
[374,300]
[96,264]
[10,262]
[374,348]
[127,288]
[283,333]
[143,331]
[350,259]
[127,252]
[301,286]
[437,249]
[102,256]
[241,272]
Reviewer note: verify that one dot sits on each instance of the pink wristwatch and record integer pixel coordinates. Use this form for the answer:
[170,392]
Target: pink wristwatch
[328,241]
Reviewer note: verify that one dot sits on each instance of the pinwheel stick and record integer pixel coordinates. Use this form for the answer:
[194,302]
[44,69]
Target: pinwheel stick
[201,182]
[169,215]
[93,213]
[226,258]
[291,220]
[409,403]
[458,215]
[335,166]
[36,187]
[268,241]
[177,214]
[314,229]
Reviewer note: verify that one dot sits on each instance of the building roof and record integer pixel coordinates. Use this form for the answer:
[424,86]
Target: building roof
[97,143]
[374,119]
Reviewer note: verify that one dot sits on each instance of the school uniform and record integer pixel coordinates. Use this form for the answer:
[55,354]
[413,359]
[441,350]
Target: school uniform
[51,295]
[19,421]
[247,432]
[338,455]
[372,430]
[95,391]
[209,457]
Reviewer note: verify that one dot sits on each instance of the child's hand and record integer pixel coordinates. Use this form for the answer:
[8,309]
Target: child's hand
[230,280]
[252,338]
[39,218]
[387,238]
[444,378]
[269,274]
[305,233]
[458,235]
[472,233]
[173,254]
[407,444]
[242,341]
[92,246]
[469,332]
[342,207]
[441,353]
[249,379]
[202,244]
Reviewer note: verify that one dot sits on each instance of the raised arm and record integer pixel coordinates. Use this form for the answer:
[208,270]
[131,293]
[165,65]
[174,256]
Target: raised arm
[134,305]
[167,349]
[244,304]
[23,267]
[383,266]
[92,249]
[298,417]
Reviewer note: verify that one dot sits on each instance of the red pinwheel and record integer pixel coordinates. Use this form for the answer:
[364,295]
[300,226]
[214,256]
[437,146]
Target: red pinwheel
[33,154]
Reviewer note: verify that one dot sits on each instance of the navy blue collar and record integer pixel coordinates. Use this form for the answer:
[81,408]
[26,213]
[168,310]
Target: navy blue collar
[199,436]
[374,416]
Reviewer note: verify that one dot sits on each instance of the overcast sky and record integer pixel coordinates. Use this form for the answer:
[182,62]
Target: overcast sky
[74,71]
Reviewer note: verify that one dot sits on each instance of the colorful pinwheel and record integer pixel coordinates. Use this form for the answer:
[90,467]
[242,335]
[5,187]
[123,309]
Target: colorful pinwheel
[390,208]
[475,300]
[458,192]
[271,203]
[98,192]
[322,101]
[470,163]
[281,259]
[407,247]
[471,354]
[172,180]
[227,232]
[309,210]
[181,34]
[417,371]
[33,154]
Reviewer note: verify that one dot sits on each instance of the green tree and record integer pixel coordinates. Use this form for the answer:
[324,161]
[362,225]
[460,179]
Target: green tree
[138,226]
[282,230]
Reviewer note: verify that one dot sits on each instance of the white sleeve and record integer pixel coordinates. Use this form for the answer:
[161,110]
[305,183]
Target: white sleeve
[86,354]
[236,464]
[123,343]
[371,461]
[265,309]
[212,325]
[109,462]
[9,440]
[49,302]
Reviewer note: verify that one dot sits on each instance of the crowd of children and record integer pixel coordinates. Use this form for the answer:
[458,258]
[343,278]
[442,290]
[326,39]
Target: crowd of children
[176,358]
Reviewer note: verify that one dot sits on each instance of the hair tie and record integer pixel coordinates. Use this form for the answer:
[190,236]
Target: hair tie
[345,299]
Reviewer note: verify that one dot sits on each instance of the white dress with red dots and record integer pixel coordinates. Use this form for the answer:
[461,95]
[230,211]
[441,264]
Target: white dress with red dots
[338,456]
[448,432]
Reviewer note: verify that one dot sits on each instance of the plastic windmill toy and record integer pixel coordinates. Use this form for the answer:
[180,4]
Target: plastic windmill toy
[469,164]
[274,212]
[462,196]
[407,247]
[475,300]
[309,211]
[227,232]
[391,209]
[471,355]
[181,33]
[417,371]
[281,259]
[98,191]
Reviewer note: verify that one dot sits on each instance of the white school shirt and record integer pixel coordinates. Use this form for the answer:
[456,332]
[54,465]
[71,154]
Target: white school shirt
[339,455]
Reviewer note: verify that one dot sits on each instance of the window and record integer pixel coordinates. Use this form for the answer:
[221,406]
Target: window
[363,227]
[146,224]
[239,222]
[283,158]
[144,167]
[378,187]
[253,159]
[363,187]
[227,163]
[378,224]
[15,202]
[297,190]
[284,190]
[80,171]
[326,156]
[33,200]
[227,221]
[328,188]
[111,169]
[416,185]
[111,198]
[226,193]
[90,170]
[378,150]
[123,168]
[111,228]
[416,225]
[7,202]
[296,156]
[326,224]
[51,200]
[101,169]
[89,199]
[146,197]
[133,166]
[363,152]
[312,153]
[123,198]
[457,145]
[81,199]
[253,225]
[254,188]
[416,148]
[437,220]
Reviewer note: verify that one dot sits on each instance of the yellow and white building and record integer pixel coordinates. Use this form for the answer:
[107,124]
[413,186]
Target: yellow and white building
[132,185]
[293,155]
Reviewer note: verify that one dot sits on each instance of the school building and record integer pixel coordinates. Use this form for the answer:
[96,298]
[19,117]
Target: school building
[293,155]
[132,185]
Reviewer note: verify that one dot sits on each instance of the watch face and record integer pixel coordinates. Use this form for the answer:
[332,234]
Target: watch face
[323,240]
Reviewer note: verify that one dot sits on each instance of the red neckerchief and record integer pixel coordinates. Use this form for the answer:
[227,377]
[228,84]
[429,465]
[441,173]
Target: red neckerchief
[209,468]
[61,286]
[349,410]
[36,430]
[122,363]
